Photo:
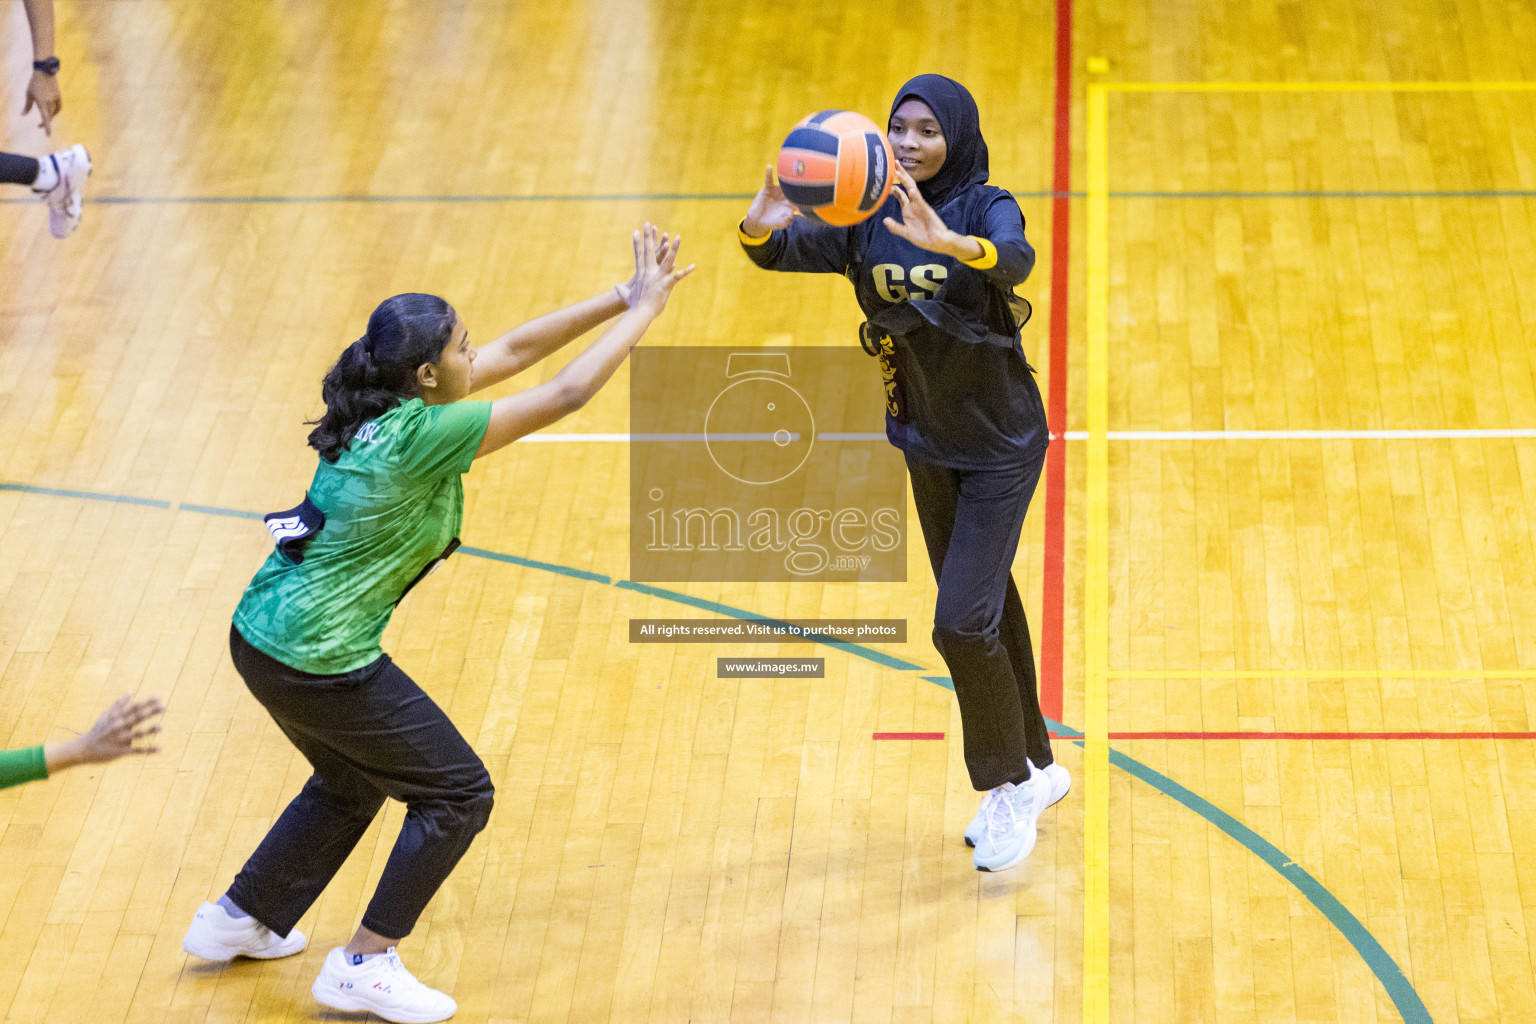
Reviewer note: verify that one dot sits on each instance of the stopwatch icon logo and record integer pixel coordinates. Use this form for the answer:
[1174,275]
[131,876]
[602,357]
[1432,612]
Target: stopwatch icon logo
[759,429]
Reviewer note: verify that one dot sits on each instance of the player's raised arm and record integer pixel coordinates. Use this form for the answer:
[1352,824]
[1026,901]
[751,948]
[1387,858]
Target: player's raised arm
[648,291]
[526,344]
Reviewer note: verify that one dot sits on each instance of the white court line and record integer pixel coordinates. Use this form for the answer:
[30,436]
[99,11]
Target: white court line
[793,436]
[785,438]
[564,438]
[1114,435]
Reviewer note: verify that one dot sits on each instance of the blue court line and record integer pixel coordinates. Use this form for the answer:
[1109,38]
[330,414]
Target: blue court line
[619,197]
[1409,1006]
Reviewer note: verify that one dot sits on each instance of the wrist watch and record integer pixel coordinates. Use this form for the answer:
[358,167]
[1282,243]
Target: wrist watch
[47,67]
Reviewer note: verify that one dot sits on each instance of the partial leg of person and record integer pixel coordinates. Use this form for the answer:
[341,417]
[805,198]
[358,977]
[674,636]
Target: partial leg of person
[368,734]
[447,793]
[58,180]
[319,828]
[1014,630]
[971,523]
[16,169]
[411,751]
[307,844]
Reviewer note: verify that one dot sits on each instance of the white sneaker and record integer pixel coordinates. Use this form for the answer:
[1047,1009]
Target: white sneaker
[380,984]
[66,200]
[978,824]
[1059,778]
[1009,834]
[214,935]
[1060,781]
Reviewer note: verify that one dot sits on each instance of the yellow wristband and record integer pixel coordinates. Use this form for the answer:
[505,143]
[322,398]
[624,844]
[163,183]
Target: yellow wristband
[746,239]
[988,258]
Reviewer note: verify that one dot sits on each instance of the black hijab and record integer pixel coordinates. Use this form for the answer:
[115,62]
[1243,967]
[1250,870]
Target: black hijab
[965,163]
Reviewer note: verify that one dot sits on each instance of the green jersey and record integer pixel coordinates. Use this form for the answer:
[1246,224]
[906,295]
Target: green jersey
[393,502]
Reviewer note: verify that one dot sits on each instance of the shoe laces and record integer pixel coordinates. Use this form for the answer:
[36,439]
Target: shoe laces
[401,975]
[1001,814]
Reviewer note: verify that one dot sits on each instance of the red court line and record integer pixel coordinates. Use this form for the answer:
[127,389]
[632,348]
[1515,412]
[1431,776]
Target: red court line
[909,735]
[1056,399]
[1314,736]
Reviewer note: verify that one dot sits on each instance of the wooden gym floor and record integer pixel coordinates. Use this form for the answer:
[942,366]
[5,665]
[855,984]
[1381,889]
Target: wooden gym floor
[1310,630]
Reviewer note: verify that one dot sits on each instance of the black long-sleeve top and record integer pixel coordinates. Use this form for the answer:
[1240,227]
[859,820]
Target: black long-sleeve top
[959,391]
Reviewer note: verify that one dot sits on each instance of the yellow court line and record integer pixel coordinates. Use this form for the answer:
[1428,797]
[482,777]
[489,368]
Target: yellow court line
[1096,569]
[1096,577]
[1320,86]
[1310,673]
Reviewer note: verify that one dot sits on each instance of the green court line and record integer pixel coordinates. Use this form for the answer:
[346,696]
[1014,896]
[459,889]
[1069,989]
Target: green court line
[216,510]
[1399,989]
[57,492]
[530,563]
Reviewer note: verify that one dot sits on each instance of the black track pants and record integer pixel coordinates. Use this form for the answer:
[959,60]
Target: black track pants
[17,170]
[368,734]
[971,522]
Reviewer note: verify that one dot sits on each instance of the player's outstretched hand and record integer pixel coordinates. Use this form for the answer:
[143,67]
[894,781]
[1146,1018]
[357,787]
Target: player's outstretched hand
[43,93]
[656,272]
[920,224]
[120,730]
[629,290]
[769,211]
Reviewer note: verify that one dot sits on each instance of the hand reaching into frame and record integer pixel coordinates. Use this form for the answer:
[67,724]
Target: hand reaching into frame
[43,93]
[118,731]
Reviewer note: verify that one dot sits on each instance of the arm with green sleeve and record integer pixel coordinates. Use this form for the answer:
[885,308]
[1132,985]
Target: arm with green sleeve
[574,385]
[26,765]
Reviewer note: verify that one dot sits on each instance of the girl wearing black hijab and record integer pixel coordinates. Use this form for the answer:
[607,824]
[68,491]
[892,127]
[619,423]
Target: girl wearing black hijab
[934,272]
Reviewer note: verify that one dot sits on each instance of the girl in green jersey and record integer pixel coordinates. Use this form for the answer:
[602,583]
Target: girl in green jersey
[385,507]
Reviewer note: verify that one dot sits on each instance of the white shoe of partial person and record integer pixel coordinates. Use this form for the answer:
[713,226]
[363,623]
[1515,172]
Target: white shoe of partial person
[66,200]
[1056,775]
[382,985]
[215,935]
[1010,832]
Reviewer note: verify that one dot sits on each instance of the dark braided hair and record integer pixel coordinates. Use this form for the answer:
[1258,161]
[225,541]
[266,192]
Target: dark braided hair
[378,371]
